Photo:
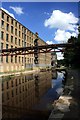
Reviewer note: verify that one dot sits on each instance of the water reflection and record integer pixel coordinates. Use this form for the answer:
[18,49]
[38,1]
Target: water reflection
[54,74]
[29,96]
[21,93]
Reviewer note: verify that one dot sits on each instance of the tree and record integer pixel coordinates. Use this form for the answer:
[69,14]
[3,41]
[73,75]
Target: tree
[72,54]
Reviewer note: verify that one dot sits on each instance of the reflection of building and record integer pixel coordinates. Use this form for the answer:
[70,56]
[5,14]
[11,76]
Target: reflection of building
[22,92]
[17,91]
[54,74]
[42,83]
[53,59]
[15,35]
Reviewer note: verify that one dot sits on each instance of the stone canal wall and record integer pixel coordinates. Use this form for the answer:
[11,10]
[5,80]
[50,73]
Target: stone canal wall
[68,105]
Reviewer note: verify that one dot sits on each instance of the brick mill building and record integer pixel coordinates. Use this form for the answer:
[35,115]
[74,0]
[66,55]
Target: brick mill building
[15,35]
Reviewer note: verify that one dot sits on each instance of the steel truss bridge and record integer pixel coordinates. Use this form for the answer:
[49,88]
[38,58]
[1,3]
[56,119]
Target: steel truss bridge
[35,49]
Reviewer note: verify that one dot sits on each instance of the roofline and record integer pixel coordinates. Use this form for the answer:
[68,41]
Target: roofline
[20,24]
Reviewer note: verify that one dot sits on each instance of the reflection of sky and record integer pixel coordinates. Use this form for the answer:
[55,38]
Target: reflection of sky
[53,93]
[60,75]
[58,81]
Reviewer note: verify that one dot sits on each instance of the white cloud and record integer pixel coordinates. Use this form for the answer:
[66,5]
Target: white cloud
[46,13]
[12,15]
[18,10]
[63,36]
[49,42]
[59,55]
[60,20]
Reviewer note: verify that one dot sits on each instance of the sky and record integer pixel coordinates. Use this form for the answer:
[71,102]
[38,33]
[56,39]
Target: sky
[55,22]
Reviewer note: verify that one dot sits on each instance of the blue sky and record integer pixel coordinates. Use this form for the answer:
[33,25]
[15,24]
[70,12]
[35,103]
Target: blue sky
[54,21]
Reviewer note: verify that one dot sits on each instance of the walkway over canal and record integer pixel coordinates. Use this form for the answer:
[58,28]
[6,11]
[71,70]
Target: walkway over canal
[35,49]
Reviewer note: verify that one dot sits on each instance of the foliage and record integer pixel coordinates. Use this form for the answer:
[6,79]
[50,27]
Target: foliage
[72,54]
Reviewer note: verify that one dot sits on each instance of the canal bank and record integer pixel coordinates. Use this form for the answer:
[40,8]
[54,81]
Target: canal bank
[25,71]
[19,72]
[68,105]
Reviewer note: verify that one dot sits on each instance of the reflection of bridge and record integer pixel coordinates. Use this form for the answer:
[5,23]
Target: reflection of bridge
[34,49]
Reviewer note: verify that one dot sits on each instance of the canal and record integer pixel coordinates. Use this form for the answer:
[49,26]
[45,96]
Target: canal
[30,96]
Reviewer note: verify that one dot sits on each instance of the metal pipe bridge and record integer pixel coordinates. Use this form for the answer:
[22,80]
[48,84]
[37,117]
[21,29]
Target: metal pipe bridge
[35,49]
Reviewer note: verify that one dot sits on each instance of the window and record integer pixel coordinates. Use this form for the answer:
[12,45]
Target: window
[2,24]
[2,35]
[1,58]
[16,91]
[25,31]
[1,46]
[15,59]
[19,59]
[20,89]
[7,56]
[16,41]
[23,88]
[19,81]
[1,49]
[19,33]
[25,44]
[11,29]
[2,15]
[2,86]
[30,60]
[7,85]
[25,79]
[2,97]
[16,24]
[12,93]
[15,31]
[22,60]
[11,21]
[12,83]
[30,39]
[11,46]
[6,46]
[7,27]
[19,26]
[25,60]
[7,37]
[7,18]
[22,35]
[19,42]
[11,39]
[25,37]
[7,59]
[7,95]
[16,82]
[22,43]
[11,59]
[22,28]
[22,80]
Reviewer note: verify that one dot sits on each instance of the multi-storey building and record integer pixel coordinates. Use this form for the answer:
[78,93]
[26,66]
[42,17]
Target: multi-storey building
[15,35]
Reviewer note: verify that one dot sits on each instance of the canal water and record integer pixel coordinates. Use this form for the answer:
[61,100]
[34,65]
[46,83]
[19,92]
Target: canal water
[30,96]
